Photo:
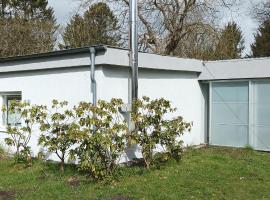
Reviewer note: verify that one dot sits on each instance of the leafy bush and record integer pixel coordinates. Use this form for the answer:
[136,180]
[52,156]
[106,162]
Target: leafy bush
[153,129]
[58,126]
[101,137]
[96,136]
[20,131]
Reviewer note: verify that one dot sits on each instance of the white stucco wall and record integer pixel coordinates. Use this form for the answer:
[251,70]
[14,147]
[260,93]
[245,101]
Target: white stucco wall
[181,88]
[41,87]
[73,85]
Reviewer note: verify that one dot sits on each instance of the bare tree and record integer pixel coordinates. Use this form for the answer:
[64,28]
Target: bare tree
[200,44]
[261,10]
[165,24]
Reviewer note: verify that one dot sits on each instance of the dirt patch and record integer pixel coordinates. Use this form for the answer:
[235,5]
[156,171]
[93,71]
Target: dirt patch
[3,156]
[41,178]
[74,182]
[255,176]
[135,162]
[121,197]
[7,195]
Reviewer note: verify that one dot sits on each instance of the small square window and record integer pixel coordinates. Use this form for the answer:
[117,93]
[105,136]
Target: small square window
[12,118]
[8,118]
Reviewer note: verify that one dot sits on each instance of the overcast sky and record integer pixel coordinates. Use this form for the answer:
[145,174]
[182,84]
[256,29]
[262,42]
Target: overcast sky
[65,8]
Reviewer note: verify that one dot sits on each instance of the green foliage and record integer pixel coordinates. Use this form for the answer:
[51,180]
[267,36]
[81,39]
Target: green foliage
[153,129]
[261,46]
[27,9]
[249,148]
[58,126]
[96,136]
[20,132]
[98,25]
[101,137]
[230,43]
[3,153]
[26,27]
[226,43]
[207,173]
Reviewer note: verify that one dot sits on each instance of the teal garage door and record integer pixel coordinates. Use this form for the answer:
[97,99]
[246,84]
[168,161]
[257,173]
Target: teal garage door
[261,115]
[229,114]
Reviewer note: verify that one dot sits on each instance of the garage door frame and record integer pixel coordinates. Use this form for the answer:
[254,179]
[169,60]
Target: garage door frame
[251,110]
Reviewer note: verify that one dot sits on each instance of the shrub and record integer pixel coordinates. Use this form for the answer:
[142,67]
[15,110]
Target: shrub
[20,131]
[249,148]
[101,137]
[58,126]
[153,129]
[96,136]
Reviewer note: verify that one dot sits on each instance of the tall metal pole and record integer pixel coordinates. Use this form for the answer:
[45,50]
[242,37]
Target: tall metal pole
[133,34]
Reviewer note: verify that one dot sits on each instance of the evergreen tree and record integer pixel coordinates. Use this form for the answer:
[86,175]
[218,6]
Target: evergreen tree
[26,27]
[31,9]
[261,46]
[230,44]
[98,25]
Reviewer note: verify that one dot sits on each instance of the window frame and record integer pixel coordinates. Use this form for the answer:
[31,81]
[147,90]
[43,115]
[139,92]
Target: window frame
[8,98]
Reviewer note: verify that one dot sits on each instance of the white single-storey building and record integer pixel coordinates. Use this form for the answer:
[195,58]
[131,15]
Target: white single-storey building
[227,101]
[239,102]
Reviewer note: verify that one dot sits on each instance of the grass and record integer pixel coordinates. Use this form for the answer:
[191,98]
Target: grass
[208,173]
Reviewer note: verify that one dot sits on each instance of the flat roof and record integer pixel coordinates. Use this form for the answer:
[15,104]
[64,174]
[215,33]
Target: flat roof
[52,54]
[106,55]
[250,68]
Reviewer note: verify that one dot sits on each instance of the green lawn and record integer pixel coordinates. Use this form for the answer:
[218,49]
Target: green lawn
[208,173]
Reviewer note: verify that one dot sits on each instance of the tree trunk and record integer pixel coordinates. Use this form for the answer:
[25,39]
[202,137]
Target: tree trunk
[62,165]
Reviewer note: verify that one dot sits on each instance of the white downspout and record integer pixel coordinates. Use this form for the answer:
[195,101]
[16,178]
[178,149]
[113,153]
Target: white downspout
[93,75]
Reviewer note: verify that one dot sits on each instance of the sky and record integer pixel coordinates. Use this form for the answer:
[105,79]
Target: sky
[65,8]
[241,15]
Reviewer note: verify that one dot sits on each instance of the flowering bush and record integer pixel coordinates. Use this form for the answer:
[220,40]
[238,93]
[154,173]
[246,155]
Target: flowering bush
[96,136]
[58,126]
[153,129]
[20,130]
[101,137]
